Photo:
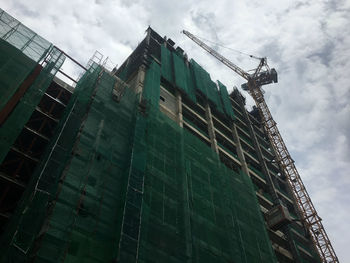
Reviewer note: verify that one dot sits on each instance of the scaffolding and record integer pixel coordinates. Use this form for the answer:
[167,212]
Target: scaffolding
[119,180]
[28,65]
[119,183]
[17,40]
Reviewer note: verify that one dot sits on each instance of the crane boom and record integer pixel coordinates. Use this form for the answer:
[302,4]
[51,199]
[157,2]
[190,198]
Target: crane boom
[224,60]
[305,206]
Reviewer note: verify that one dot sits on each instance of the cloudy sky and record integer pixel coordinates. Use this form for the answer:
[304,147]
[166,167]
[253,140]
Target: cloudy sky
[308,42]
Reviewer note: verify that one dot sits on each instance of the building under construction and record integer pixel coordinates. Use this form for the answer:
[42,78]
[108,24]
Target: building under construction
[149,162]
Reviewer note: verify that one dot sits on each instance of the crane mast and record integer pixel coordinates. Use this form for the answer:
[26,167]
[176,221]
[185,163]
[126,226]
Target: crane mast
[305,206]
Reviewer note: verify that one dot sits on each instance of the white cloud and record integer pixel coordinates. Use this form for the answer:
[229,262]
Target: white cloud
[308,42]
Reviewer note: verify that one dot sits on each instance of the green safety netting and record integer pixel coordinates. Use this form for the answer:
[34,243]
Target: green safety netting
[167,64]
[226,100]
[14,123]
[152,83]
[214,96]
[184,205]
[86,180]
[205,85]
[27,222]
[14,68]
[86,220]
[183,77]
[191,85]
[20,50]
[201,77]
[117,184]
[189,77]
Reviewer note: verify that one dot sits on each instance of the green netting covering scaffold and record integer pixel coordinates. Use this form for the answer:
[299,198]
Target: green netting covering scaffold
[21,113]
[85,167]
[167,64]
[193,208]
[183,77]
[27,222]
[152,83]
[226,100]
[214,96]
[20,51]
[120,184]
[86,220]
[183,205]
[201,77]
[205,85]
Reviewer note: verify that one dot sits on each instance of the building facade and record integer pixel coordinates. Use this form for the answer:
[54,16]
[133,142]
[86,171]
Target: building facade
[151,162]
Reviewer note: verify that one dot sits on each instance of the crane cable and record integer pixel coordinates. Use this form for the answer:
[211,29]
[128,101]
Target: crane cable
[232,49]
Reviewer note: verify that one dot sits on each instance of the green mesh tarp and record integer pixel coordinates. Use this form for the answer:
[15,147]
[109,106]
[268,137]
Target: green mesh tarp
[151,88]
[173,66]
[167,64]
[214,96]
[119,185]
[226,100]
[13,125]
[194,208]
[86,221]
[86,167]
[14,68]
[205,85]
[132,210]
[201,77]
[28,219]
[124,186]
[190,85]
[183,77]
[20,50]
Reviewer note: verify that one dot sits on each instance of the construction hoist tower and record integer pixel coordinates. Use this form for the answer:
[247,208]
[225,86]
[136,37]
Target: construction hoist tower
[264,75]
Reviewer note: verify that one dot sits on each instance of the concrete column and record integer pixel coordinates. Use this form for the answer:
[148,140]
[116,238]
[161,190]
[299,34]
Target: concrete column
[140,80]
[214,144]
[239,149]
[261,158]
[148,37]
[179,117]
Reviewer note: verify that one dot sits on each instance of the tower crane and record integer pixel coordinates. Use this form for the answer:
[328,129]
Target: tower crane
[263,75]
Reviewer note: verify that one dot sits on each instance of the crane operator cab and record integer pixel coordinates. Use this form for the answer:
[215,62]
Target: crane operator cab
[263,78]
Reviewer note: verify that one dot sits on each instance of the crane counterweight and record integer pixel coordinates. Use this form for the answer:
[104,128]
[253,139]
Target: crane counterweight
[263,78]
